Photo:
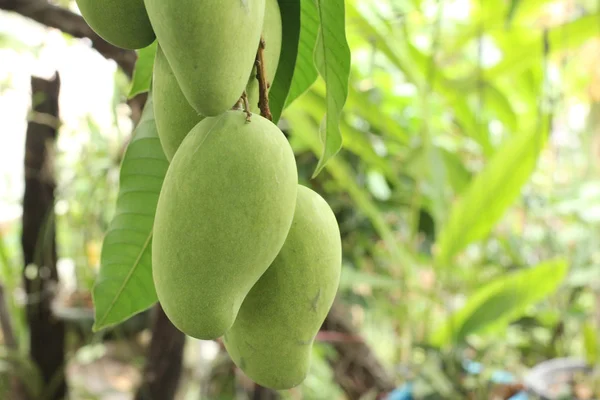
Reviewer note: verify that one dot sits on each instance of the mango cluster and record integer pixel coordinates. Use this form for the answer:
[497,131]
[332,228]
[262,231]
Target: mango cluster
[239,249]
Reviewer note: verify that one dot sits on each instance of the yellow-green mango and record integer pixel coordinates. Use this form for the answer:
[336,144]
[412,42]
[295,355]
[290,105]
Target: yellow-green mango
[211,46]
[224,211]
[271,339]
[272,32]
[123,23]
[174,116]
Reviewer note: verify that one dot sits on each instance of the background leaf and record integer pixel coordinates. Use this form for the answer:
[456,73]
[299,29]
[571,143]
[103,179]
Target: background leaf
[124,286]
[501,301]
[142,74]
[332,58]
[491,192]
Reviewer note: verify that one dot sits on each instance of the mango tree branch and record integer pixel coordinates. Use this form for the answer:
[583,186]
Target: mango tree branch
[73,24]
[263,84]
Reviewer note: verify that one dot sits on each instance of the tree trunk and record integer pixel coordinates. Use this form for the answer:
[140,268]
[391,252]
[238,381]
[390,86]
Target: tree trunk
[356,369]
[164,360]
[46,334]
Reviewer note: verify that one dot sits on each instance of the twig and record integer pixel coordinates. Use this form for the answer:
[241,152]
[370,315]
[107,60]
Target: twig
[263,85]
[244,99]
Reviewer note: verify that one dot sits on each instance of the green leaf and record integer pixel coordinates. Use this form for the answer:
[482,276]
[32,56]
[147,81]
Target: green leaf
[332,58]
[142,74]
[491,192]
[124,286]
[290,19]
[305,72]
[501,301]
[590,342]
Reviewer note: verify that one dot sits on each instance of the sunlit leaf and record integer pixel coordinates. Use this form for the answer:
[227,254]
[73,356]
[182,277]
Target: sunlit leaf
[497,303]
[492,191]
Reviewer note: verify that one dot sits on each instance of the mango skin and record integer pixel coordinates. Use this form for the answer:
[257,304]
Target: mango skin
[123,23]
[272,33]
[211,46]
[174,116]
[271,339]
[224,211]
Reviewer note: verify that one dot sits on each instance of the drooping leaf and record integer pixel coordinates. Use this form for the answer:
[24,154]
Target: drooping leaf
[290,19]
[501,301]
[305,72]
[332,58]
[491,192]
[124,286]
[142,74]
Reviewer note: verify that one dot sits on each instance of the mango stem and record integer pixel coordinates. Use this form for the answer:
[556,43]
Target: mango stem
[263,85]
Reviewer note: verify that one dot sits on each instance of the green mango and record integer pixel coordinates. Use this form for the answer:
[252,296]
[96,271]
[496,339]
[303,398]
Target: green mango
[211,46]
[224,211]
[123,23]
[175,117]
[272,32]
[271,339]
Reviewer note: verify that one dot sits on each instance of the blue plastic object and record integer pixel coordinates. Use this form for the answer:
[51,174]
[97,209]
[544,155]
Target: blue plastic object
[404,392]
